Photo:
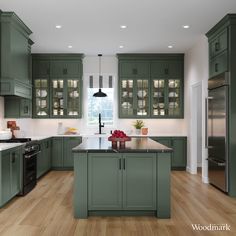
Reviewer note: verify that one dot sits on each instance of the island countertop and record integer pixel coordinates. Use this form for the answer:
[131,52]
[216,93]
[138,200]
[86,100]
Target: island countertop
[95,144]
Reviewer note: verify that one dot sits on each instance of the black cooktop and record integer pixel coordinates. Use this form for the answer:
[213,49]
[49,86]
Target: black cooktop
[16,140]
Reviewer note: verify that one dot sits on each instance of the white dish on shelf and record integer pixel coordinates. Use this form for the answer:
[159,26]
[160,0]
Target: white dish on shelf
[173,84]
[126,105]
[41,92]
[173,94]
[161,105]
[41,113]
[142,93]
[74,94]
[157,94]
[155,105]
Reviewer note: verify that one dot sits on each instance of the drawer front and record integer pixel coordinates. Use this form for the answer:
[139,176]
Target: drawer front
[219,44]
[219,64]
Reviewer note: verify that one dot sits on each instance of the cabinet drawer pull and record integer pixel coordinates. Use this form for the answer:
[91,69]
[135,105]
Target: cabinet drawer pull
[217,47]
[124,163]
[216,67]
[13,160]
[119,163]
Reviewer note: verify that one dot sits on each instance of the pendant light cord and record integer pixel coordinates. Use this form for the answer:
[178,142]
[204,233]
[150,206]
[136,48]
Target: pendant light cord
[100,55]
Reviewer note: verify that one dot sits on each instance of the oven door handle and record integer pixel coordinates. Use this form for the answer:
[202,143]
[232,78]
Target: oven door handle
[29,156]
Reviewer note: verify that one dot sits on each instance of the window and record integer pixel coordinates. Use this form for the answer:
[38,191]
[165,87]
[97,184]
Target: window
[103,105]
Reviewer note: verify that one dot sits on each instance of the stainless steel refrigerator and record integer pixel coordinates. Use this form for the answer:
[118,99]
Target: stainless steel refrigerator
[217,131]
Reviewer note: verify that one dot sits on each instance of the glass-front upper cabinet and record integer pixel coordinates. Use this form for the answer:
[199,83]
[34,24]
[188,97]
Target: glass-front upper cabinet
[73,97]
[134,98]
[158,97]
[41,95]
[57,98]
[65,98]
[174,95]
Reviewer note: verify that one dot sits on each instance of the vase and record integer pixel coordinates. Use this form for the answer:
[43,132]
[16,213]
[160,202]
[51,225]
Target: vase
[138,131]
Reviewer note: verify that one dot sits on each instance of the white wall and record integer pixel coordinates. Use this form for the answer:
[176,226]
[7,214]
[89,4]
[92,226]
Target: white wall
[196,70]
[1,113]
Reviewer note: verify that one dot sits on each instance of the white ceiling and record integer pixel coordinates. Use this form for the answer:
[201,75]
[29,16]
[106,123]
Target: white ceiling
[93,26]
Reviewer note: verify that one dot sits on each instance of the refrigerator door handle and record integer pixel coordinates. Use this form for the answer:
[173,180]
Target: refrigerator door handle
[206,121]
[218,163]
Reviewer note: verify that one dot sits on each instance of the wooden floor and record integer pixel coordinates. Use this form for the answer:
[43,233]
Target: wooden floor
[47,210]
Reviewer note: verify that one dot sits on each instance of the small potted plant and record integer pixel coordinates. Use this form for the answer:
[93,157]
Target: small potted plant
[138,124]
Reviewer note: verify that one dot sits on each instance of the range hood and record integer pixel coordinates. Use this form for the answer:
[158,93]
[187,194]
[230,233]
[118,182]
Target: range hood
[15,49]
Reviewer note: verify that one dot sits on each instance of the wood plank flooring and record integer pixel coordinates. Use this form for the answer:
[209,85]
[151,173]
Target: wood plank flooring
[47,210]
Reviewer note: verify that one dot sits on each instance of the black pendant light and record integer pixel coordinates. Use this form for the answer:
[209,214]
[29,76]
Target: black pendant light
[99,94]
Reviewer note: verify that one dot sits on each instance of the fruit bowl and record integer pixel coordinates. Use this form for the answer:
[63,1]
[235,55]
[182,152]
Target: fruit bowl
[119,136]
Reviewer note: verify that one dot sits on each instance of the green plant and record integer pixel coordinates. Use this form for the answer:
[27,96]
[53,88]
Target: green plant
[138,124]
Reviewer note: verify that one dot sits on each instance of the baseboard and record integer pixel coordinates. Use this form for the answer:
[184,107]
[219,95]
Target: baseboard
[205,180]
[188,169]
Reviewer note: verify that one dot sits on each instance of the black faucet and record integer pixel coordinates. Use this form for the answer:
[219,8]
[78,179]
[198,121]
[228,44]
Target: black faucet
[100,123]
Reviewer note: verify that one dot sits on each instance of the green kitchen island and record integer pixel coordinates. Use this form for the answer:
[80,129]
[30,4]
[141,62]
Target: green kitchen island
[131,180]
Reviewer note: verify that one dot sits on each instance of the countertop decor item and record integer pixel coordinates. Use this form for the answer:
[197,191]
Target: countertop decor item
[144,131]
[100,93]
[5,134]
[119,136]
[138,125]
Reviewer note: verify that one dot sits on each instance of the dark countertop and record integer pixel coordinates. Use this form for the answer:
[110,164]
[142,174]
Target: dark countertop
[95,144]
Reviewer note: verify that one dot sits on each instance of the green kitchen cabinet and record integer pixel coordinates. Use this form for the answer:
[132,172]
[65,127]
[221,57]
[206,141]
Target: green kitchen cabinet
[134,98]
[65,69]
[218,64]
[17,107]
[139,181]
[68,144]
[134,69]
[57,80]
[105,181]
[62,157]
[44,157]
[158,93]
[219,43]
[57,152]
[41,68]
[121,182]
[41,96]
[179,146]
[14,54]
[11,174]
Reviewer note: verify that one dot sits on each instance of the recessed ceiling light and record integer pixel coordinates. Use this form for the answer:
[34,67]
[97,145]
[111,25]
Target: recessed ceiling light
[70,46]
[58,26]
[170,46]
[123,26]
[121,46]
[185,26]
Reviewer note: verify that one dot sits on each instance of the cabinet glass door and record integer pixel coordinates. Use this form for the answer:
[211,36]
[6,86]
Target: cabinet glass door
[173,97]
[142,98]
[127,97]
[41,97]
[73,97]
[58,98]
[158,97]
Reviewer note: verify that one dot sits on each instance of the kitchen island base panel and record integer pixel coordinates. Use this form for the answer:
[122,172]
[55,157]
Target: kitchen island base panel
[81,210]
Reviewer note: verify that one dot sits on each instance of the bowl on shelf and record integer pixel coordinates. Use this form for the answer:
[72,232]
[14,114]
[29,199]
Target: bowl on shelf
[142,93]
[126,105]
[161,105]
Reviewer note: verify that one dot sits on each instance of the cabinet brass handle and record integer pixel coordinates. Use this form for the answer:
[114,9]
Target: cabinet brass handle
[124,163]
